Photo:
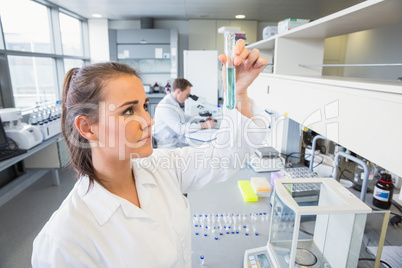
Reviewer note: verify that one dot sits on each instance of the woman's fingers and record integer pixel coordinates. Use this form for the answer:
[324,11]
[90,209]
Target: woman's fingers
[251,59]
[240,58]
[239,46]
[222,58]
[261,62]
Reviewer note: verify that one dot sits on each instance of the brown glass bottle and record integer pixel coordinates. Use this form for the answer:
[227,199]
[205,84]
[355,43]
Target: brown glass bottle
[383,191]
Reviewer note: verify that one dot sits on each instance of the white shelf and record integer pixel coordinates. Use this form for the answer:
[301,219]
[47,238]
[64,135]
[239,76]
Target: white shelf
[364,16]
[266,44]
[385,86]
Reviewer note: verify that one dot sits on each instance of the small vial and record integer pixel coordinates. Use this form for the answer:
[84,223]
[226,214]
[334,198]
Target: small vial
[247,231]
[195,221]
[202,260]
[220,227]
[255,230]
[265,215]
[213,230]
[235,230]
[238,230]
[230,71]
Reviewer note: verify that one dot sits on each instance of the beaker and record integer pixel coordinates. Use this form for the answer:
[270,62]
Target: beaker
[230,96]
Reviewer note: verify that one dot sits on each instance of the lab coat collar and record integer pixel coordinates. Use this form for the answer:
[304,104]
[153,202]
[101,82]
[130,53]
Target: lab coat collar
[174,100]
[142,174]
[103,204]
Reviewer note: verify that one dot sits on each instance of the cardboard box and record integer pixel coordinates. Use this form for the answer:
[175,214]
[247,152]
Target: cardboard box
[288,24]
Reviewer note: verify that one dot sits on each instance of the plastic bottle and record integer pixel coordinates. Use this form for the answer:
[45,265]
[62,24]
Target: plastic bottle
[383,191]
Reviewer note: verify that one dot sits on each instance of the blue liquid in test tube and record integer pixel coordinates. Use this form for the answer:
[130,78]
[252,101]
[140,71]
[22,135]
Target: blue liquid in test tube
[230,87]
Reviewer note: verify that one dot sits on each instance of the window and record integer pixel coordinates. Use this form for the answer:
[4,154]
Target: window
[33,80]
[26,26]
[71,35]
[40,42]
[69,64]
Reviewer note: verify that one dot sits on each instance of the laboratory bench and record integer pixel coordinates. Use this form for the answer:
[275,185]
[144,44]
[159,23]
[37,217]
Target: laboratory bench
[35,163]
[222,199]
[228,250]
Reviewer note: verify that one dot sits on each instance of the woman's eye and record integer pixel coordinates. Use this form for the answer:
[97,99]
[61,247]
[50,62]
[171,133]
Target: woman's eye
[146,107]
[128,111]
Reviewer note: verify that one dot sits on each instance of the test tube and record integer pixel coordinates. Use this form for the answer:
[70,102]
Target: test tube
[230,71]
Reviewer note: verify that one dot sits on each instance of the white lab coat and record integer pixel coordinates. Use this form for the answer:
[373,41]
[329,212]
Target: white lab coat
[171,124]
[99,229]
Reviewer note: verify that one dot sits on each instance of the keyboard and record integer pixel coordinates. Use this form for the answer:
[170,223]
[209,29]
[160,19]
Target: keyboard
[7,153]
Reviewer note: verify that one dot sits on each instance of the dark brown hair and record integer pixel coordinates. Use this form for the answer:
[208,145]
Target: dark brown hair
[180,83]
[82,92]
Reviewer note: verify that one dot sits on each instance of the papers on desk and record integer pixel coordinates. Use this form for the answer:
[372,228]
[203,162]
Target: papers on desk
[203,135]
[390,254]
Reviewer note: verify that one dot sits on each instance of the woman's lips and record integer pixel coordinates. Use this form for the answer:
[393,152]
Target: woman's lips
[146,138]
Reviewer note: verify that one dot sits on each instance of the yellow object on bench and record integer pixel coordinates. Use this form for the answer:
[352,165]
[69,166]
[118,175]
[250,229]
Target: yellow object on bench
[247,191]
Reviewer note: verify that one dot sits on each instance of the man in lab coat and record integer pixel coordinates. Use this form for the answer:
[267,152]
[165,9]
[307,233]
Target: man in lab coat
[171,123]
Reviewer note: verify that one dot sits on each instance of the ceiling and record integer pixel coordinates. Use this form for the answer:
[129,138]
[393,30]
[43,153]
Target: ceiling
[260,10]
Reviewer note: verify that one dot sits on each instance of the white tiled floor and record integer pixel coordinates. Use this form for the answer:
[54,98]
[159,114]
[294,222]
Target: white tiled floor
[23,217]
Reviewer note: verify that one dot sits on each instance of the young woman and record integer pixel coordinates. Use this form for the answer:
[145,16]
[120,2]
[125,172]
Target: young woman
[127,207]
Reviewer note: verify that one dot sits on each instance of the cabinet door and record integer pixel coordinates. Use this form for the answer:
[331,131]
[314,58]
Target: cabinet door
[140,51]
[361,120]
[148,36]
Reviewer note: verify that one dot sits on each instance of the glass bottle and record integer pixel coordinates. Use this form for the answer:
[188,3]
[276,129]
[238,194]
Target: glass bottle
[383,191]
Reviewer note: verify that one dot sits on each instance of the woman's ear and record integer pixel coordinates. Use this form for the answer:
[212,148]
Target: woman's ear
[85,128]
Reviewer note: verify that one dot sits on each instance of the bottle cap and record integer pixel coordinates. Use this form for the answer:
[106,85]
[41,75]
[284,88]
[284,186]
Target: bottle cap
[386,178]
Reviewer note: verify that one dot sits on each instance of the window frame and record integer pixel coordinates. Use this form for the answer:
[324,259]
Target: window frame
[6,90]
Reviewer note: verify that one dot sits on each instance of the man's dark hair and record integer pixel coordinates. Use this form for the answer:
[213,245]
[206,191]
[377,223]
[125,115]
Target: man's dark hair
[181,83]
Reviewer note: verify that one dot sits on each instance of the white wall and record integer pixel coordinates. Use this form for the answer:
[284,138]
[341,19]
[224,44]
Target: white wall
[98,40]
[381,45]
[182,29]
[203,34]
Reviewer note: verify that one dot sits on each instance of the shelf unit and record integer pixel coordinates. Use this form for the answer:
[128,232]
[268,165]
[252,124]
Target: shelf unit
[363,115]
[137,48]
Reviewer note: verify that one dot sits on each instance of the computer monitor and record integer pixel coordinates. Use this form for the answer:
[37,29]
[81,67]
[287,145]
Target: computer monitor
[3,137]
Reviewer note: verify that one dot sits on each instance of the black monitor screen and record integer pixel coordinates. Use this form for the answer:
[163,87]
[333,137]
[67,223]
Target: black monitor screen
[3,137]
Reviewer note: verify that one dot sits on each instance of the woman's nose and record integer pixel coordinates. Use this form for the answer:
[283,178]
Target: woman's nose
[148,121]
